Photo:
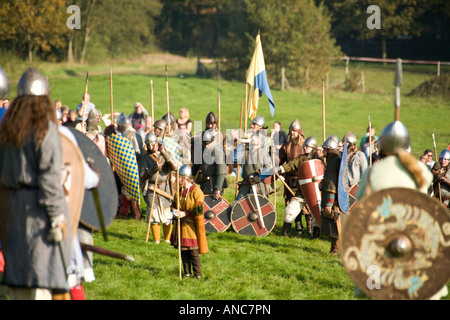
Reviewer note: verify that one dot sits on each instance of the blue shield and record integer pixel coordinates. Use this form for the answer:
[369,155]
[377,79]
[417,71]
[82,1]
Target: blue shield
[343,186]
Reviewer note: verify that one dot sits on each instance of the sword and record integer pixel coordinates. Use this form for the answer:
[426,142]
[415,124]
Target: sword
[105,252]
[255,194]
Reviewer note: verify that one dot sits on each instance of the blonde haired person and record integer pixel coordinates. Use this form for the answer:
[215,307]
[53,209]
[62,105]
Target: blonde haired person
[184,123]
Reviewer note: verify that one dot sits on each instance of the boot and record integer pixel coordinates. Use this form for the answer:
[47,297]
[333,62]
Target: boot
[136,210]
[125,207]
[156,232]
[286,229]
[309,227]
[299,224]
[167,228]
[316,232]
[334,246]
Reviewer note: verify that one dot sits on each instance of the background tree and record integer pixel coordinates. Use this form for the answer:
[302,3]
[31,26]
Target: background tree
[33,25]
[295,34]
[398,18]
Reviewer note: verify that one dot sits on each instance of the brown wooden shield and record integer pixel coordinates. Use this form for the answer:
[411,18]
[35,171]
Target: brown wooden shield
[217,214]
[73,180]
[310,174]
[245,217]
[396,245]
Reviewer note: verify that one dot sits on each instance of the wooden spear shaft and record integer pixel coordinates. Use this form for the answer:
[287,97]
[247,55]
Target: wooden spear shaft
[152,102]
[218,108]
[370,142]
[168,103]
[179,221]
[111,95]
[323,110]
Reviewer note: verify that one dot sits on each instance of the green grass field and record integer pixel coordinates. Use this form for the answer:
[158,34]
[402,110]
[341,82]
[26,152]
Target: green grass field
[238,267]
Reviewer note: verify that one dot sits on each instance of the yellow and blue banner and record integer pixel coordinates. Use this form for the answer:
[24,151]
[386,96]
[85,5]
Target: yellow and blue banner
[257,79]
[123,157]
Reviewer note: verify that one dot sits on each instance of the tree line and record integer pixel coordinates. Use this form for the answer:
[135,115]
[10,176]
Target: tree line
[297,35]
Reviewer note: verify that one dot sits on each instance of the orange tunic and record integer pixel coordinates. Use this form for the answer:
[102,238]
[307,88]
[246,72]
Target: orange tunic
[193,233]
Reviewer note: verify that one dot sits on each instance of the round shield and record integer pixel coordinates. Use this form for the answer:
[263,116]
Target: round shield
[396,245]
[107,190]
[217,214]
[73,180]
[246,218]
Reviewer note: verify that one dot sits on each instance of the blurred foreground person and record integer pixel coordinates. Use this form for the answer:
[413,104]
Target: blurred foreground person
[37,239]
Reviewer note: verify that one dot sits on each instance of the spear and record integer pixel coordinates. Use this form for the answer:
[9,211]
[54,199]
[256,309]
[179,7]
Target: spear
[84,100]
[218,108]
[111,94]
[323,110]
[152,101]
[154,190]
[179,221]
[105,252]
[398,82]
[370,142]
[436,159]
[167,98]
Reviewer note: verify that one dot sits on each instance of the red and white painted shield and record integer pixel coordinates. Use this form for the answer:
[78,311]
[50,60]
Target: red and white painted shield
[245,217]
[216,213]
[310,174]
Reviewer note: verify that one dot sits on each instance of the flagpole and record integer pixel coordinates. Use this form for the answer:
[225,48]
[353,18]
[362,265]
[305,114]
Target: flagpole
[246,105]
[238,171]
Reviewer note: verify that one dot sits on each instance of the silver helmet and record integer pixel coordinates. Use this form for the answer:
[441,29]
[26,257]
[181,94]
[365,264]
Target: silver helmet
[160,124]
[332,143]
[93,119]
[310,142]
[444,154]
[350,137]
[259,120]
[171,118]
[150,138]
[208,136]
[185,171]
[123,121]
[394,137]
[295,125]
[4,85]
[33,83]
